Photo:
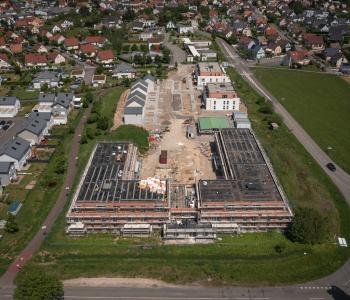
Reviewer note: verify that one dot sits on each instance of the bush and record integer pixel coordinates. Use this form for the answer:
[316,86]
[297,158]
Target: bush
[103,123]
[11,226]
[33,283]
[266,108]
[279,248]
[308,227]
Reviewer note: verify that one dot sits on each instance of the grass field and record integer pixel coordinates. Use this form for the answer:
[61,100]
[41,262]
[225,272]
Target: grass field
[249,259]
[319,102]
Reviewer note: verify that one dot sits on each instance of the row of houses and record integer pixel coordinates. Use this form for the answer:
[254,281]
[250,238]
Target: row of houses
[134,110]
[51,110]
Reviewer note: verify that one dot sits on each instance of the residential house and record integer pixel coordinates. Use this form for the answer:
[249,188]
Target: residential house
[56,58]
[273,49]
[4,62]
[146,35]
[35,60]
[16,150]
[71,43]
[62,107]
[40,49]
[77,73]
[33,131]
[313,41]
[220,96]
[9,106]
[88,50]
[296,58]
[124,70]
[7,172]
[170,25]
[98,41]
[98,80]
[185,29]
[16,48]
[105,57]
[51,78]
[45,103]
[334,57]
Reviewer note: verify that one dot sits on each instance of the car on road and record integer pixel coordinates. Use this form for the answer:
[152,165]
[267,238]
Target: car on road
[5,127]
[2,122]
[331,167]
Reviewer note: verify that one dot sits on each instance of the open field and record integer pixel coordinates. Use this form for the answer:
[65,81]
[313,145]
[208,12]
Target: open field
[319,102]
[249,259]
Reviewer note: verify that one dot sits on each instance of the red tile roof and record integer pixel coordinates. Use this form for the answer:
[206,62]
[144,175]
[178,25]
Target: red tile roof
[105,55]
[4,57]
[16,48]
[2,41]
[98,39]
[34,58]
[71,42]
[87,48]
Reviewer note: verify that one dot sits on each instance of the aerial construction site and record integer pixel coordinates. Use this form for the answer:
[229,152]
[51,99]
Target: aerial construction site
[192,183]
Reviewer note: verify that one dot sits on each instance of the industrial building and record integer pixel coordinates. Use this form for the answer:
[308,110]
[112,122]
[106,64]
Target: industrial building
[245,196]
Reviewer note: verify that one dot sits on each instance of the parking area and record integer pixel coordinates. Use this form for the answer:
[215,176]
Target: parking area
[10,127]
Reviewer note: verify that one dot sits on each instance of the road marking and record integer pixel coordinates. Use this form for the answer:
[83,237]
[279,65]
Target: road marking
[158,297]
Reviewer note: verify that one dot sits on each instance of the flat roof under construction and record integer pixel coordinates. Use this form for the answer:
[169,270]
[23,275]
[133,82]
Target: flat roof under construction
[104,180]
[248,178]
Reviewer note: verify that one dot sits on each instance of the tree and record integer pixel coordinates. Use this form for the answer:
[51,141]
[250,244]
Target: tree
[308,226]
[266,108]
[134,48]
[102,123]
[45,87]
[11,226]
[89,97]
[34,283]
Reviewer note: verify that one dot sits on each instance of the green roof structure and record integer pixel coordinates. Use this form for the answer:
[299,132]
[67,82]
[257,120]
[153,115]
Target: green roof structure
[210,123]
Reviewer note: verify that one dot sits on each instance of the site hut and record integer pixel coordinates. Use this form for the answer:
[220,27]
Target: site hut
[208,125]
[7,172]
[9,107]
[220,96]
[209,72]
[110,196]
[248,197]
[241,120]
[16,150]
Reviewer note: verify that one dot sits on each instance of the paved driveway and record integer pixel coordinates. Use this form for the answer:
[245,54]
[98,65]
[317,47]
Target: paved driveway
[6,135]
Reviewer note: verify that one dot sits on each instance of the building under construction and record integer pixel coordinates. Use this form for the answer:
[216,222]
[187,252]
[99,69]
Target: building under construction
[244,197]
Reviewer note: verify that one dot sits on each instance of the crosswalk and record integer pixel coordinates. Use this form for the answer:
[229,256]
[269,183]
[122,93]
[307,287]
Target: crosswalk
[315,287]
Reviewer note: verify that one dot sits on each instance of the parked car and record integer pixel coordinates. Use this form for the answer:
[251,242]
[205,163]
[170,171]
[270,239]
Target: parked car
[331,167]
[5,127]
[2,122]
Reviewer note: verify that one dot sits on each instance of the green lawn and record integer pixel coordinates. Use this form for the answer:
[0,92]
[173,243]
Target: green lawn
[249,259]
[319,102]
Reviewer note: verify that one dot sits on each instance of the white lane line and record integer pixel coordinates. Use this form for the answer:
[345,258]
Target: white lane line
[158,297]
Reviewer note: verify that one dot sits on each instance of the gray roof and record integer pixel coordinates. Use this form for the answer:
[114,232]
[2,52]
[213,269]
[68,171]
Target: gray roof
[133,110]
[5,166]
[150,77]
[15,148]
[35,126]
[46,75]
[135,99]
[64,99]
[140,82]
[124,68]
[8,100]
[45,116]
[138,94]
[49,98]
[138,86]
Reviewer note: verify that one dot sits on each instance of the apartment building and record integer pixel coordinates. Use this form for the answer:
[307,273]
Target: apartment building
[220,96]
[210,72]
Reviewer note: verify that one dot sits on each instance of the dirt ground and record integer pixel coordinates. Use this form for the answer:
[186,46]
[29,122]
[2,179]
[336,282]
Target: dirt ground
[118,116]
[188,159]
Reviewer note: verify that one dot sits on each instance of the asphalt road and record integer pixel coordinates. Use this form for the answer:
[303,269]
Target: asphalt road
[6,281]
[340,178]
[177,55]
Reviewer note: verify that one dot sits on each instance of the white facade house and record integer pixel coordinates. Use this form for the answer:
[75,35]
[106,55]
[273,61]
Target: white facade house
[219,96]
[124,70]
[134,110]
[184,29]
[210,73]
[9,107]
[51,78]
[17,151]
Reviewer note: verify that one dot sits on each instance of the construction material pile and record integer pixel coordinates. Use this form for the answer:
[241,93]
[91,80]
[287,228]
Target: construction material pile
[204,148]
[154,185]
